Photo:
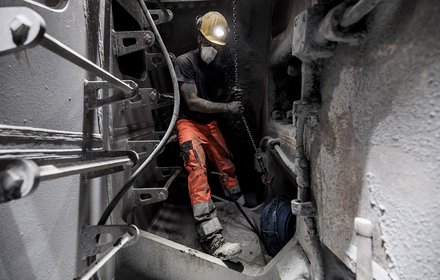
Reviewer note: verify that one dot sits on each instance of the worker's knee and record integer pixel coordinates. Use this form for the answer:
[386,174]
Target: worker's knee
[191,157]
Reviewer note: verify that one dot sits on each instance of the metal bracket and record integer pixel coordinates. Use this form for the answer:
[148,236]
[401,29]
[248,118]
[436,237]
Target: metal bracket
[147,196]
[140,100]
[134,9]
[20,27]
[89,246]
[160,100]
[147,97]
[131,41]
[303,209]
[154,60]
[91,101]
[159,16]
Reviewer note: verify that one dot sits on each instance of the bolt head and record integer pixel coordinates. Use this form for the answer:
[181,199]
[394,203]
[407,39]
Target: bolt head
[162,196]
[10,181]
[153,96]
[20,26]
[148,40]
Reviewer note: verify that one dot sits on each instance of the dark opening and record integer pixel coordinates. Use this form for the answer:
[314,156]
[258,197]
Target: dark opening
[133,64]
[287,89]
[145,196]
[129,42]
[281,16]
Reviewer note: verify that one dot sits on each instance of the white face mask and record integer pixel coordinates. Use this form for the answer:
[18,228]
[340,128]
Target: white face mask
[208,54]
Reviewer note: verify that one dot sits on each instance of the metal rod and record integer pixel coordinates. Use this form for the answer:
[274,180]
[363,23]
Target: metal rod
[66,52]
[93,268]
[171,179]
[282,159]
[48,172]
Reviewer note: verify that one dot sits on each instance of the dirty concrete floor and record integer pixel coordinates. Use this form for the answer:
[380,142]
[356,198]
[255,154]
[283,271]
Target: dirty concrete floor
[175,222]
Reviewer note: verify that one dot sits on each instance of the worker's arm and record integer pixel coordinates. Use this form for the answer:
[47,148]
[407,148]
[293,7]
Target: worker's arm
[197,104]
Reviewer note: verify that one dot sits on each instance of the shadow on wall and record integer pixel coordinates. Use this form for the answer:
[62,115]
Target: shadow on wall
[15,263]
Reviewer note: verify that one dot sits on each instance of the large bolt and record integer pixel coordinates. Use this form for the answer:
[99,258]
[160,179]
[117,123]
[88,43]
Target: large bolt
[154,96]
[149,40]
[162,196]
[20,26]
[10,185]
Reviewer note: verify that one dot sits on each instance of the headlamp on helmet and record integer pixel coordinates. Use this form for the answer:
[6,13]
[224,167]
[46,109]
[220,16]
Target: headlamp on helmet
[213,27]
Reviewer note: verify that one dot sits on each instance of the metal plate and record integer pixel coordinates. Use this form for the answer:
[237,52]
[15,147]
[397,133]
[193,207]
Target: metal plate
[147,196]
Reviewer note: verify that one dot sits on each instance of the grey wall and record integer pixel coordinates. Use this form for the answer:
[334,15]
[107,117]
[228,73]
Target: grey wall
[39,234]
[377,156]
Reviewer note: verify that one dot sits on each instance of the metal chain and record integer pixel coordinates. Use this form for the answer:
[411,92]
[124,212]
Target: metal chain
[249,133]
[234,22]
[243,119]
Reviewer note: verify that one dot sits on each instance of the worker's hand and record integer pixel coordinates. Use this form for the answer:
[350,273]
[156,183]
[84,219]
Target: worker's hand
[235,107]
[237,94]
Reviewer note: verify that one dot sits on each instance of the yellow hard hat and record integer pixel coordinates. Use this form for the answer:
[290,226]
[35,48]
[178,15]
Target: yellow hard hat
[214,27]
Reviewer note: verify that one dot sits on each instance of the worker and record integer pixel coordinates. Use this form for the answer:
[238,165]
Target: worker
[201,84]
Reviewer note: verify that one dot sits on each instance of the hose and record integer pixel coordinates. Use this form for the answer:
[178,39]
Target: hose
[111,206]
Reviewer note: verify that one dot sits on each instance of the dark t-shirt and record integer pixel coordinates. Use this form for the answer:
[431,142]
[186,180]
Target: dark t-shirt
[208,78]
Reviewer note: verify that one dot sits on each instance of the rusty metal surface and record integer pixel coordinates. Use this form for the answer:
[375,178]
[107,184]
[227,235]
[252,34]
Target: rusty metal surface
[376,141]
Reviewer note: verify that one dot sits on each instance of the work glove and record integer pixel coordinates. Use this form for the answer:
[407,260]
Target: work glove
[237,94]
[235,107]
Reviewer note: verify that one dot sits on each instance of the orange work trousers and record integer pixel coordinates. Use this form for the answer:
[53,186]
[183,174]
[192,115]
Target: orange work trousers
[198,141]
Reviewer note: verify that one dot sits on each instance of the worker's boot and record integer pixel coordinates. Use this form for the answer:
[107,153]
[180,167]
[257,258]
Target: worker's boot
[217,246]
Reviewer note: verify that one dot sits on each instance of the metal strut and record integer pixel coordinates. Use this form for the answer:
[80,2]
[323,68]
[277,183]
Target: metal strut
[27,28]
[64,51]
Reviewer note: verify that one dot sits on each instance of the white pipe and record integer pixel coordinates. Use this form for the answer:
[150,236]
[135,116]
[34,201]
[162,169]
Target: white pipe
[364,262]
[96,265]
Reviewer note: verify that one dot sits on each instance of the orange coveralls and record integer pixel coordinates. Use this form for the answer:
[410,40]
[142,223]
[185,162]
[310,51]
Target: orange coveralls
[198,141]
